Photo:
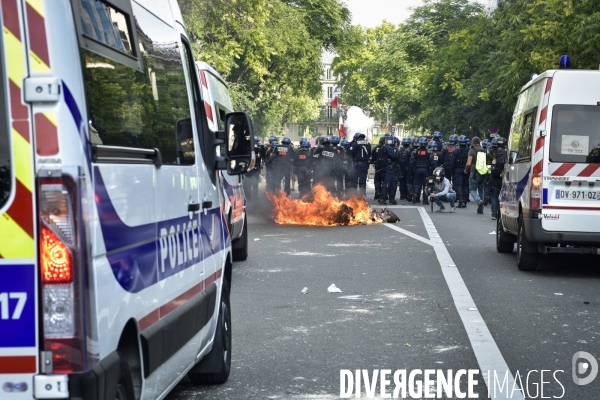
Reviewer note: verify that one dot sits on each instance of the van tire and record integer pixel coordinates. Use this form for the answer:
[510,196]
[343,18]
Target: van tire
[221,344]
[240,246]
[124,390]
[525,261]
[505,242]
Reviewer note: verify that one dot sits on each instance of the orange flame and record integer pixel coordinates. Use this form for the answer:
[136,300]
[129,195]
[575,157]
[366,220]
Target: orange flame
[322,209]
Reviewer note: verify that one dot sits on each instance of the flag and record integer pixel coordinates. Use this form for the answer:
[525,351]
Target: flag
[342,133]
[336,93]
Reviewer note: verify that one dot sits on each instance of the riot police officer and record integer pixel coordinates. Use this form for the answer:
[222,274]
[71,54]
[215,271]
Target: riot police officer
[496,158]
[324,164]
[438,141]
[403,159]
[379,173]
[272,154]
[346,164]
[360,151]
[447,157]
[386,159]
[422,165]
[284,162]
[434,153]
[460,179]
[302,166]
[410,178]
[338,173]
[253,176]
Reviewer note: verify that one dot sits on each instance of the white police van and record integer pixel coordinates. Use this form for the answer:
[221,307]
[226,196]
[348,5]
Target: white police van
[217,104]
[550,197]
[115,252]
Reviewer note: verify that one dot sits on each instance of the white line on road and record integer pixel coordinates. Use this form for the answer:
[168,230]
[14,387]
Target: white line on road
[484,346]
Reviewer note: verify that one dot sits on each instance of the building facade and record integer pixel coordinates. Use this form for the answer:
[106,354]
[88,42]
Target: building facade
[328,121]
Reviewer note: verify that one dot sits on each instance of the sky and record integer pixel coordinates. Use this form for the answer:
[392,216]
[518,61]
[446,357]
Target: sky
[370,13]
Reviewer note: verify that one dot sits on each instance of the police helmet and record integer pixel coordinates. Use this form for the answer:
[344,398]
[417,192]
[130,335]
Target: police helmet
[485,143]
[431,144]
[438,173]
[462,140]
[396,142]
[359,135]
[274,144]
[382,140]
[256,139]
[286,141]
[453,140]
[303,139]
[406,142]
[345,143]
[500,141]
[325,141]
[423,142]
[437,136]
[335,139]
[305,143]
[272,139]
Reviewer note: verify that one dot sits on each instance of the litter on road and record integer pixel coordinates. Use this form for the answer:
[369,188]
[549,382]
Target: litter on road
[256,239]
[333,289]
[305,290]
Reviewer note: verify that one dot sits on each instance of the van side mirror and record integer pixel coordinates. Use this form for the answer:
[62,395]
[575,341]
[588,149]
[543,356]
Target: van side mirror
[513,157]
[237,141]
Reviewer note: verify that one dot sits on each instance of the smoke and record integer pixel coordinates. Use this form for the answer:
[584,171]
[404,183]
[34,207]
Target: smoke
[357,121]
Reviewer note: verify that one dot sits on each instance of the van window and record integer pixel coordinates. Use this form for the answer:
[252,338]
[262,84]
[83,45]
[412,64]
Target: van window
[105,24]
[140,109]
[5,172]
[575,134]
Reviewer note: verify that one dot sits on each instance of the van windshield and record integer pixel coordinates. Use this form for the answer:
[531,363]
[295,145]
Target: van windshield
[5,175]
[575,134]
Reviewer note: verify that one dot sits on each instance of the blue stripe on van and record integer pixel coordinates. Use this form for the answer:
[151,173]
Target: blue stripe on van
[81,127]
[143,255]
[137,253]
[545,196]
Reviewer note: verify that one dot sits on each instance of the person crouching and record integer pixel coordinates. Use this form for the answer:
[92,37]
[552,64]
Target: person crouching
[442,191]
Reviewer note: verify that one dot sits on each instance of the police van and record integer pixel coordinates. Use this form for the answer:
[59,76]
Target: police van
[549,201]
[217,104]
[115,250]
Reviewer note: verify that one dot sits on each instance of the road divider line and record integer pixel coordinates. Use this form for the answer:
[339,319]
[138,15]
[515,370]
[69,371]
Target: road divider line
[484,346]
[409,233]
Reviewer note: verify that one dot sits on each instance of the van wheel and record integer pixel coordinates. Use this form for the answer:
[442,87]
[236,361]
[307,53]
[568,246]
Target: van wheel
[125,383]
[222,344]
[525,261]
[505,242]
[240,246]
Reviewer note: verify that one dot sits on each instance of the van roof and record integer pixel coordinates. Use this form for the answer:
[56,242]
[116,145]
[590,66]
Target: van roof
[211,70]
[550,73]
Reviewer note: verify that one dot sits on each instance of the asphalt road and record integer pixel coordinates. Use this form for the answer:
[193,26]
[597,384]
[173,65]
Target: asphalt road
[403,308]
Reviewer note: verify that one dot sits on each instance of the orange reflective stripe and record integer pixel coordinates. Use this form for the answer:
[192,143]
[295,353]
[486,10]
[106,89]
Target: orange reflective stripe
[17,223]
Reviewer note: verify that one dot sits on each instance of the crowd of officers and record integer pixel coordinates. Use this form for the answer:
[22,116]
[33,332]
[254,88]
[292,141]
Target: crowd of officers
[342,166]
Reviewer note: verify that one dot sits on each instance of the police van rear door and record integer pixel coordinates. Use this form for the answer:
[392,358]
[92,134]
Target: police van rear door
[572,180]
[18,273]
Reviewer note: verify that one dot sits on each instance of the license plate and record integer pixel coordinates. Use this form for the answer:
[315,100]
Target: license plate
[577,195]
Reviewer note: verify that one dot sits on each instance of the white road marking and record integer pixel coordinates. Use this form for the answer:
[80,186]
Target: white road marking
[484,346]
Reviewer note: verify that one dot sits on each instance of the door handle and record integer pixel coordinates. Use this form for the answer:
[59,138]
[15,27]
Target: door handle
[193,207]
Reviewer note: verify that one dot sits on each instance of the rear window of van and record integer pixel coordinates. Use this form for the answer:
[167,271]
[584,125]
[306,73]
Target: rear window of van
[5,173]
[575,134]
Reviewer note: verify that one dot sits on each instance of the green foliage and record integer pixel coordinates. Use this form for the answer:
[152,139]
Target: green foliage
[451,68]
[270,50]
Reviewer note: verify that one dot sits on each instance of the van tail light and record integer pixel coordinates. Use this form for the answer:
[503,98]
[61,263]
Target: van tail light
[536,192]
[60,265]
